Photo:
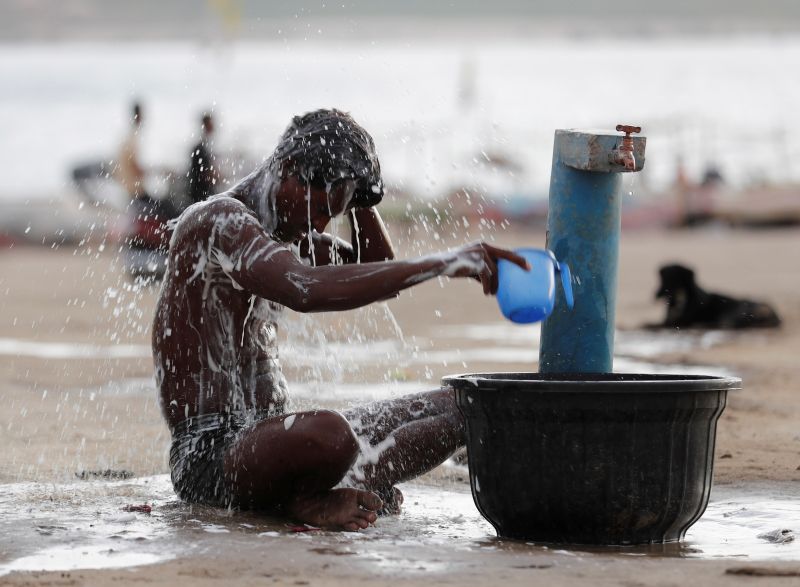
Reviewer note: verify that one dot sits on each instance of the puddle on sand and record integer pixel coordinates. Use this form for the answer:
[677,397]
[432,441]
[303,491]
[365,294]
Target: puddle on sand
[498,346]
[13,347]
[635,350]
[739,520]
[495,342]
[83,525]
[67,558]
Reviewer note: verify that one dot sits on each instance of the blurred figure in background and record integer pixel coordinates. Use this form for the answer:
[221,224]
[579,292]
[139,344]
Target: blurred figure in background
[696,202]
[203,171]
[128,171]
[147,238]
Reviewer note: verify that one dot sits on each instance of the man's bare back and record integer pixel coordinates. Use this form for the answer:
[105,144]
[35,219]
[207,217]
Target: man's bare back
[234,263]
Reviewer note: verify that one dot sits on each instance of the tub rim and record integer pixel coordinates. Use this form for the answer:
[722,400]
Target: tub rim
[592,382]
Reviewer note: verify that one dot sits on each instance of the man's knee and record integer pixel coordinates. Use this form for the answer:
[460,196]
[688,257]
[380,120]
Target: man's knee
[332,435]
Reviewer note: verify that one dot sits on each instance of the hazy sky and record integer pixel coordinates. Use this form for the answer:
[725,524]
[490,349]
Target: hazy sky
[127,19]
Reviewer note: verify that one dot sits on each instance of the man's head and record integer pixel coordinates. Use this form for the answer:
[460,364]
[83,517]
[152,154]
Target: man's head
[136,112]
[207,123]
[326,146]
[325,156]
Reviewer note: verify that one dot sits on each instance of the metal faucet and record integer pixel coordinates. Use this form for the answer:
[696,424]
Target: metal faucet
[623,155]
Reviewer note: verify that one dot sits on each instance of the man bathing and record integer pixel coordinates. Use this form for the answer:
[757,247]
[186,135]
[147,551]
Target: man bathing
[235,261]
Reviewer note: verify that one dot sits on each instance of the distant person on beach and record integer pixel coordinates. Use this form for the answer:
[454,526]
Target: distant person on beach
[203,171]
[697,202]
[129,171]
[146,240]
[236,261]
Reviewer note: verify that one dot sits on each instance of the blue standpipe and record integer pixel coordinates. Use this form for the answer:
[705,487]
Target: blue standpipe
[583,227]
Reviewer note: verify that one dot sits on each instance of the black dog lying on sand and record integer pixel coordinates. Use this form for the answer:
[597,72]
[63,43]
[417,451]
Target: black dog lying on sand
[689,306]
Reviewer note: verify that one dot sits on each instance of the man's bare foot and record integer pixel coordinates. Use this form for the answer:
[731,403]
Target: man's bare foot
[392,501]
[346,508]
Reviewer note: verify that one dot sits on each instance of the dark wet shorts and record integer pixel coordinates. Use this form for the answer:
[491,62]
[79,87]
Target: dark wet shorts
[196,457]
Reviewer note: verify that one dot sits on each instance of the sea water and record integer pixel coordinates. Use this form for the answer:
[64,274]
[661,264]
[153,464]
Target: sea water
[721,100]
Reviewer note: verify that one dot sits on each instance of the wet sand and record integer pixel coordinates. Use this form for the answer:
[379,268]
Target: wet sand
[81,398]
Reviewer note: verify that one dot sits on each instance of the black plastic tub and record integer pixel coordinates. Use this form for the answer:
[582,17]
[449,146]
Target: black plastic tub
[591,458]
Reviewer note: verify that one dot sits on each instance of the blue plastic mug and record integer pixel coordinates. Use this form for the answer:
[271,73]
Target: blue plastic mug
[529,296]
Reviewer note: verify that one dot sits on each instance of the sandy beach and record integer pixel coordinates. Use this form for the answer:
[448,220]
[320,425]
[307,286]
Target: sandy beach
[76,382]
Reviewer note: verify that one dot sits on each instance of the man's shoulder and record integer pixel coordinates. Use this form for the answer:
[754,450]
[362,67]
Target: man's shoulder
[207,214]
[218,204]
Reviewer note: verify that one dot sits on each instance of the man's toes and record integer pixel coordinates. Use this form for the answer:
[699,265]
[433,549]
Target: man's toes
[351,527]
[359,523]
[369,501]
[370,517]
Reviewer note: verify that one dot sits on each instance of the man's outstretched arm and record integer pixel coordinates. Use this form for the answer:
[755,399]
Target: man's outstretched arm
[270,270]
